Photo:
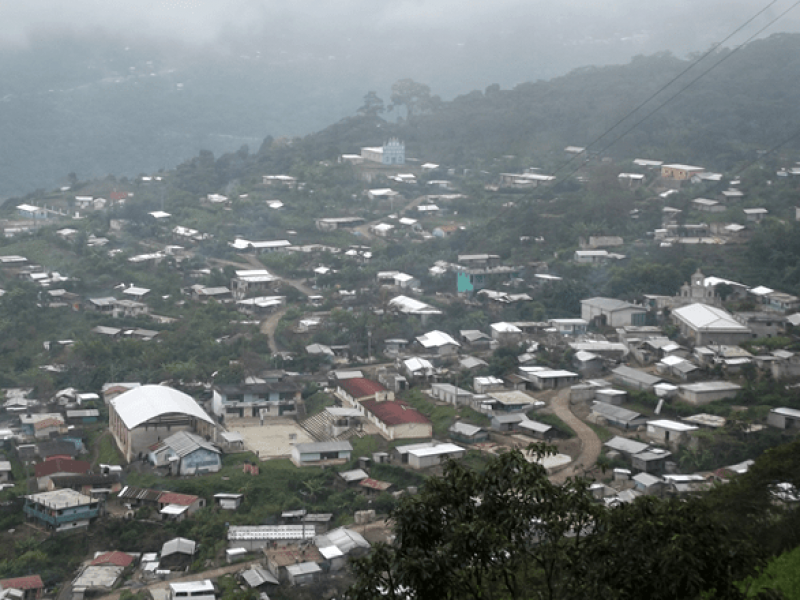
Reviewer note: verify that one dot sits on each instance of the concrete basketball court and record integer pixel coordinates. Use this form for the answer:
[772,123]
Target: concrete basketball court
[274,439]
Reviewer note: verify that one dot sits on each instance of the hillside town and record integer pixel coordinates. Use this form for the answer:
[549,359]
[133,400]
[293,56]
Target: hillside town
[336,334]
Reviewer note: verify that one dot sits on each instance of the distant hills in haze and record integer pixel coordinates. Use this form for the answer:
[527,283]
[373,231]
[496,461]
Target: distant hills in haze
[105,108]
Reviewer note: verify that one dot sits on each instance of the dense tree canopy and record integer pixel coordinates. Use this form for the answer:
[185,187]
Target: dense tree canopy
[508,532]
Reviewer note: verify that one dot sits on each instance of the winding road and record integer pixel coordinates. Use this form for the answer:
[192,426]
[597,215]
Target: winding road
[590,443]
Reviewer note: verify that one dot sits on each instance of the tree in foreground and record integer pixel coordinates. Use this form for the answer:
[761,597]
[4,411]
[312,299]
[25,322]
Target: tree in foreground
[508,532]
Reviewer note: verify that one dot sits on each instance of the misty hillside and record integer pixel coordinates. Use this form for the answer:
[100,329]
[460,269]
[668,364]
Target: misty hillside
[743,104]
[103,107]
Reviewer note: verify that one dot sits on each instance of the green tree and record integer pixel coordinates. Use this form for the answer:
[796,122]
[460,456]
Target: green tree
[415,97]
[373,105]
[506,532]
[663,549]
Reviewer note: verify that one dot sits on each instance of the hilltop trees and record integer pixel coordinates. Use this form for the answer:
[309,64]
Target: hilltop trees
[415,97]
[373,105]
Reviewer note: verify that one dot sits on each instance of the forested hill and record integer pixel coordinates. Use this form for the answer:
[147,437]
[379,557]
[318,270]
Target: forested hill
[747,102]
[126,111]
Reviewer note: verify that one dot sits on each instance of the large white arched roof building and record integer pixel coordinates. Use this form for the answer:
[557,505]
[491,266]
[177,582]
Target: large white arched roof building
[145,415]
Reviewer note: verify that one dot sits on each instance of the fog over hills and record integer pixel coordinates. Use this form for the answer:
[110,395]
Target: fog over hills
[96,87]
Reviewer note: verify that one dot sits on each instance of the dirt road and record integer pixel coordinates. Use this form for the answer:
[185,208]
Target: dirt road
[590,443]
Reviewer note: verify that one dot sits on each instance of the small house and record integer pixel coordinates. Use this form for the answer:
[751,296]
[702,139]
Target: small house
[177,553]
[534,429]
[507,423]
[708,391]
[466,433]
[451,394]
[429,454]
[31,586]
[616,415]
[321,453]
[668,431]
[228,501]
[784,418]
[648,484]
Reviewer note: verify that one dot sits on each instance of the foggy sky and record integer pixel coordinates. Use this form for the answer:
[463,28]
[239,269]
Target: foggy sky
[517,40]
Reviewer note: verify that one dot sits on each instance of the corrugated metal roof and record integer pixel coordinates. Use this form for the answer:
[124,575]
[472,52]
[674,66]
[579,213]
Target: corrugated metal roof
[435,339]
[147,402]
[178,545]
[305,568]
[258,576]
[465,428]
[271,532]
[625,445]
[615,412]
[534,426]
[436,450]
[342,538]
[184,443]
[354,475]
[704,317]
[611,304]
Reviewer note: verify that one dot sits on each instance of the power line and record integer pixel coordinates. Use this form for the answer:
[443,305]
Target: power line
[713,48]
[703,74]
[660,106]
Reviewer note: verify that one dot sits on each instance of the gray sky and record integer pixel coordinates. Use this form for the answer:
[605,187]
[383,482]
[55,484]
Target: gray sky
[580,31]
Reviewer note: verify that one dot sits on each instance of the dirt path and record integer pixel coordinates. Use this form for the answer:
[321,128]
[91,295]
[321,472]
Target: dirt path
[270,324]
[95,450]
[590,443]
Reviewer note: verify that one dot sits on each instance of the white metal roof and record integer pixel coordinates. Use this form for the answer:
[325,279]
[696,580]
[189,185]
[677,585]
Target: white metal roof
[184,443]
[342,538]
[534,426]
[787,412]
[435,339]
[305,568]
[141,404]
[504,327]
[174,509]
[436,450]
[711,386]
[705,317]
[178,544]
[203,585]
[411,306]
[672,425]
[622,444]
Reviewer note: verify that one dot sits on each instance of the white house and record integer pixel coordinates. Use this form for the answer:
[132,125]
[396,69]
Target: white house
[612,312]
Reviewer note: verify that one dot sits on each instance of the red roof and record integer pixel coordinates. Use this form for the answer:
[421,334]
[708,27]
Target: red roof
[175,498]
[31,582]
[395,412]
[116,558]
[48,422]
[61,465]
[359,387]
[375,484]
